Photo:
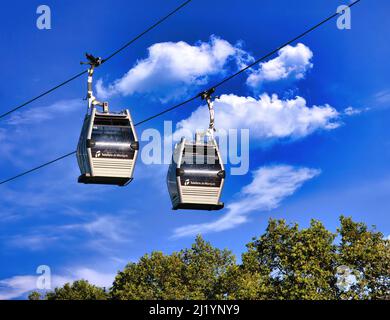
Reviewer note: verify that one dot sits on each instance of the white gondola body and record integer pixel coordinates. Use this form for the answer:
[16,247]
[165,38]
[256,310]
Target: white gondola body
[108,148]
[196,186]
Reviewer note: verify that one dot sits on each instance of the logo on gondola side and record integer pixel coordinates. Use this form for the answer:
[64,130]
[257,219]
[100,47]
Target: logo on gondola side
[98,154]
[187,182]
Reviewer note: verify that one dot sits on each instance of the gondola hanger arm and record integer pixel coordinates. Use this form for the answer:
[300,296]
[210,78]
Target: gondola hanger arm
[209,98]
[93,62]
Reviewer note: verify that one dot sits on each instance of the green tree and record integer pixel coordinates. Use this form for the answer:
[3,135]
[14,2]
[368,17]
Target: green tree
[286,262]
[155,276]
[78,290]
[35,295]
[367,255]
[194,273]
[205,270]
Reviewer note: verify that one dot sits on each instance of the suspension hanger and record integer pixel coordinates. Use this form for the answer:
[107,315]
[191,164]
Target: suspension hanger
[93,62]
[209,98]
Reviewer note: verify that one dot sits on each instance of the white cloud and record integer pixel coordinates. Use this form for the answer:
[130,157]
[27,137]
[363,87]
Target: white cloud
[19,286]
[40,198]
[270,186]
[173,68]
[14,287]
[39,114]
[32,134]
[107,227]
[44,194]
[351,111]
[100,279]
[33,242]
[382,97]
[291,63]
[268,117]
[100,233]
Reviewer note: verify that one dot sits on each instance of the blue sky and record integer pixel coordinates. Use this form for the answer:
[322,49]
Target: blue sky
[305,161]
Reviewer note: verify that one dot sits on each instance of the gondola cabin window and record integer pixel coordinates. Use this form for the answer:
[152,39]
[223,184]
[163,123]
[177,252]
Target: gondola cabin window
[112,142]
[200,165]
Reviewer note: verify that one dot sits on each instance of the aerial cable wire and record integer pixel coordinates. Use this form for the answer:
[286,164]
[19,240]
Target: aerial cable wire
[248,66]
[37,168]
[201,93]
[282,46]
[104,60]
[74,152]
[147,30]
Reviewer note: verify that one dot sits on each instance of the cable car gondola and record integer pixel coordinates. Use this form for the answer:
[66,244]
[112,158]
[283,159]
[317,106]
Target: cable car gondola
[196,174]
[108,144]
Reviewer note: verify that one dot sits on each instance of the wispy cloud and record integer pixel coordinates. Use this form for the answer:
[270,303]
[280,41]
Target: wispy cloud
[270,186]
[34,241]
[40,132]
[47,193]
[114,228]
[20,286]
[98,278]
[350,111]
[99,233]
[44,113]
[40,198]
[15,287]
[382,97]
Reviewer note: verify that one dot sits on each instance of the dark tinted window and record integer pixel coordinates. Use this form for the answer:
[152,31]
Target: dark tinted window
[110,141]
[201,166]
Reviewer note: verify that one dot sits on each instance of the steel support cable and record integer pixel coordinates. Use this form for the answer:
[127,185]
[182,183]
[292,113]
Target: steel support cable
[104,60]
[73,152]
[282,46]
[198,95]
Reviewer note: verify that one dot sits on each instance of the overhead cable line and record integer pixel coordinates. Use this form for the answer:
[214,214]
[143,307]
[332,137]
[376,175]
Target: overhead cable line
[37,168]
[104,60]
[43,94]
[200,94]
[74,152]
[283,45]
[146,31]
[212,88]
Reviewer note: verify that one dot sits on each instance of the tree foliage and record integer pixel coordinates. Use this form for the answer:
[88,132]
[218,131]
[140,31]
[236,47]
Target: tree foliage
[286,262]
[367,255]
[194,273]
[78,290]
[35,295]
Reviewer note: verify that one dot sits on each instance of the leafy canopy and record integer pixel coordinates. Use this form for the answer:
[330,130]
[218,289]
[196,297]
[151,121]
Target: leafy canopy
[286,262]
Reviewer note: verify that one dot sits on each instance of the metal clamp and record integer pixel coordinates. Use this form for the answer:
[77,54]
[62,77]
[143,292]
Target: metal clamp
[92,60]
